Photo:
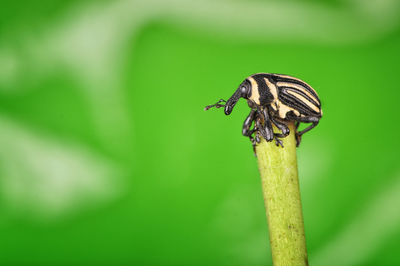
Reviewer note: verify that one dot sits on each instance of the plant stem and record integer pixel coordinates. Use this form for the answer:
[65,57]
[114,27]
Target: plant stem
[280,184]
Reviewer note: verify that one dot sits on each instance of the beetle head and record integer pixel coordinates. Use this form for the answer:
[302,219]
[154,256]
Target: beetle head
[244,91]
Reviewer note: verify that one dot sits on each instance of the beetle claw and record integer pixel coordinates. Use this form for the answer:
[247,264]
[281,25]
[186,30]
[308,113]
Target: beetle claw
[258,137]
[278,142]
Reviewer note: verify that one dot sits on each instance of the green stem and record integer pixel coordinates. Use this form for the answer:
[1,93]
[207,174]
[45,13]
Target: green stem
[280,184]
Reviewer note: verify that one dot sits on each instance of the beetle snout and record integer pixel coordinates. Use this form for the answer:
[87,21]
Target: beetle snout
[232,101]
[228,109]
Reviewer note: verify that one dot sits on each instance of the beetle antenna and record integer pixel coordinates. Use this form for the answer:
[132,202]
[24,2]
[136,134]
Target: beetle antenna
[217,105]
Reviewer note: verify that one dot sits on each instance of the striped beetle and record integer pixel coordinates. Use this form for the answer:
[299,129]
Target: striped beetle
[275,99]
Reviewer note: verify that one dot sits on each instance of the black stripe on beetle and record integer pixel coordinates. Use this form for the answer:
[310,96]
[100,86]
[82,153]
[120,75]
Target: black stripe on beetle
[279,79]
[275,99]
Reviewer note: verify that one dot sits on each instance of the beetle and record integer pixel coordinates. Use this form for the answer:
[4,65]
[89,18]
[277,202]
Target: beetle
[275,99]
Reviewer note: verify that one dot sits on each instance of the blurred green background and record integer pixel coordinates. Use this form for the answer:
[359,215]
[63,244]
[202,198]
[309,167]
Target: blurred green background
[107,157]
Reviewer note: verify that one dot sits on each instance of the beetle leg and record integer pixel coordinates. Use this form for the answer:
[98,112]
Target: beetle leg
[283,128]
[261,129]
[266,129]
[297,136]
[256,139]
[246,131]
[311,119]
[247,124]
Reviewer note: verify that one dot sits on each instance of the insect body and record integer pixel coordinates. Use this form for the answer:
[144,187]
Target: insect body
[275,99]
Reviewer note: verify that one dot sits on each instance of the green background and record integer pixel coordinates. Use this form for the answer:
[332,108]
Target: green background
[107,157]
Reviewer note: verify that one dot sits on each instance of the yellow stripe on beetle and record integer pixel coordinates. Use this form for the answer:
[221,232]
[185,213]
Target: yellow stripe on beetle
[284,109]
[304,100]
[274,91]
[297,87]
[255,95]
